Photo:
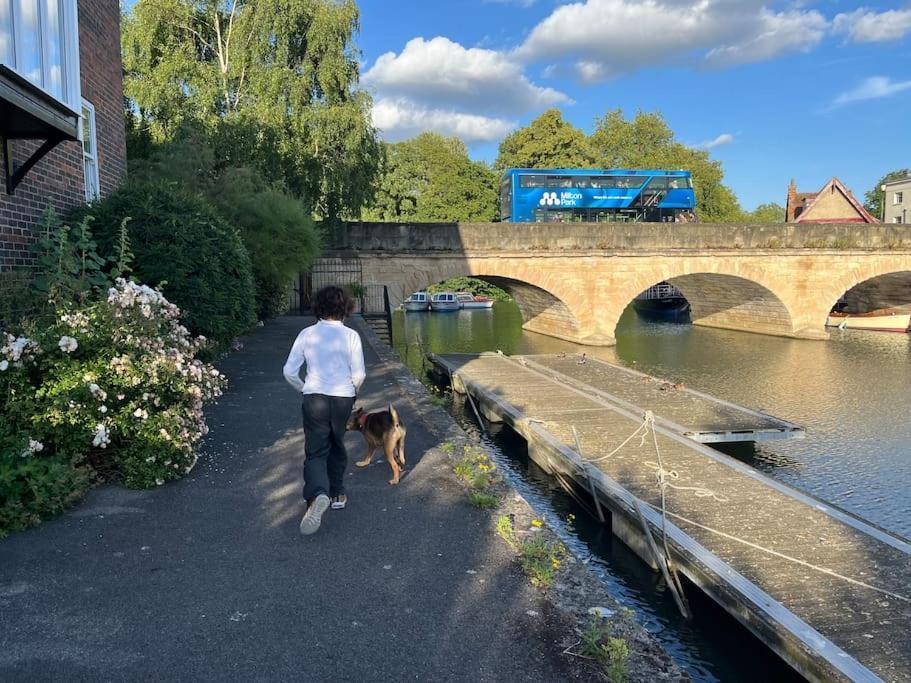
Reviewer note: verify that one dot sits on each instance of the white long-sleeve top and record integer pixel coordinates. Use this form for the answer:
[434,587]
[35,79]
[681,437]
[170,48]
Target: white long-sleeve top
[334,358]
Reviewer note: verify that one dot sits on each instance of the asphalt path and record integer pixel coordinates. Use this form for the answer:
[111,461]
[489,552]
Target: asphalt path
[208,578]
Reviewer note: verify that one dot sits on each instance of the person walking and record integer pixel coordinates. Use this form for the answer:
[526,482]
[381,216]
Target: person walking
[334,360]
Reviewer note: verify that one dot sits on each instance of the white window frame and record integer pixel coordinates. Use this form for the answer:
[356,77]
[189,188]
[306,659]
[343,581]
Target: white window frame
[897,220]
[898,197]
[69,50]
[89,157]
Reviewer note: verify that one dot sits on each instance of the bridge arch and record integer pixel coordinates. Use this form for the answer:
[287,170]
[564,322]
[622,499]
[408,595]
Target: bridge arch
[865,289]
[547,303]
[741,301]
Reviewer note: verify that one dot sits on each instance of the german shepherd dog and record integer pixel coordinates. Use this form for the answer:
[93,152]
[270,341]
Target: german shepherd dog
[381,429]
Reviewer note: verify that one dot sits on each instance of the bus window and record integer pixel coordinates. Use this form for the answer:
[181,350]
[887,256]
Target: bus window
[630,181]
[533,181]
[659,183]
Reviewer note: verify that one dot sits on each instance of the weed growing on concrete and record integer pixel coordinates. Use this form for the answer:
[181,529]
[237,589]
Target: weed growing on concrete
[448,448]
[476,469]
[485,501]
[610,653]
[540,559]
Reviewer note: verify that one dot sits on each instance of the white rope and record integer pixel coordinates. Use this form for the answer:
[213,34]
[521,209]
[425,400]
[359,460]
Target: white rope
[663,476]
[795,560]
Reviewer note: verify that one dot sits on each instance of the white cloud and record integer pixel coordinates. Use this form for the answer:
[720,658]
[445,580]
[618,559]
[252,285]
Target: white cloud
[440,73]
[607,37]
[872,88]
[401,118]
[723,139]
[775,34]
[868,26]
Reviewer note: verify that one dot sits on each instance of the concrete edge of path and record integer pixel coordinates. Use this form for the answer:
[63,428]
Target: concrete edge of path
[576,589]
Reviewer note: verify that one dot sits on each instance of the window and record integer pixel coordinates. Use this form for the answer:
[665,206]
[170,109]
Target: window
[533,181]
[90,151]
[897,219]
[39,39]
[898,197]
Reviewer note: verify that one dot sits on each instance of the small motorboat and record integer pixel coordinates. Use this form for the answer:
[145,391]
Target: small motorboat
[470,301]
[883,320]
[419,301]
[444,301]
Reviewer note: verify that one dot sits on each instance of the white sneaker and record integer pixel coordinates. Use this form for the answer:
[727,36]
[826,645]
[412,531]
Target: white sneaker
[339,502]
[314,514]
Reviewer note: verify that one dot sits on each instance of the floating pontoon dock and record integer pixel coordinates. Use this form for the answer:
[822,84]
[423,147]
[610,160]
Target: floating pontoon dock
[827,591]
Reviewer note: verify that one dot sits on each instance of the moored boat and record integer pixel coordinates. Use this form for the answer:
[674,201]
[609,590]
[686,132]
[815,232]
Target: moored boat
[662,302]
[884,320]
[444,301]
[419,301]
[470,301]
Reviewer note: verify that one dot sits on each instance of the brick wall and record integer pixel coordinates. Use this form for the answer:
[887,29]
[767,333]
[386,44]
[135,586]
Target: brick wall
[57,180]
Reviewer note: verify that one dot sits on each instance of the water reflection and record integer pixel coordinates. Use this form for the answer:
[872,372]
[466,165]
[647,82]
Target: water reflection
[850,393]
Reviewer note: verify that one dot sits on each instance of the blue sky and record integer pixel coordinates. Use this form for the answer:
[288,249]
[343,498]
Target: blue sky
[777,90]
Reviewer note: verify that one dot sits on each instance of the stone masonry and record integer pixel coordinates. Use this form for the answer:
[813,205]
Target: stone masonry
[574,281]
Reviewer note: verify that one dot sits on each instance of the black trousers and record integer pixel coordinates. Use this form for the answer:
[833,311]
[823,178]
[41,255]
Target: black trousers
[325,418]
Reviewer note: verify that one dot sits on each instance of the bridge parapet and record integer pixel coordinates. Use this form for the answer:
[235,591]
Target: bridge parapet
[513,237]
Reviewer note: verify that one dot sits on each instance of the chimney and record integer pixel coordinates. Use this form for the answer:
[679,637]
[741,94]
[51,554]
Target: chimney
[790,205]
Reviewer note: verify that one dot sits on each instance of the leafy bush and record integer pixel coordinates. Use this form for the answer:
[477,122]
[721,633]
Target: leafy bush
[182,244]
[276,227]
[470,284]
[280,236]
[114,384]
[34,486]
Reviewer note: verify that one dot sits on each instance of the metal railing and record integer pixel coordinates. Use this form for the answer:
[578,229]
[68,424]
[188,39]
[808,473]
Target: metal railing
[660,291]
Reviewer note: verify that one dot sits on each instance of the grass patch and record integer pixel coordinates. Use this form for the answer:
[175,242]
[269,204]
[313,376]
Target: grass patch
[476,469]
[485,501]
[540,559]
[448,448]
[610,653]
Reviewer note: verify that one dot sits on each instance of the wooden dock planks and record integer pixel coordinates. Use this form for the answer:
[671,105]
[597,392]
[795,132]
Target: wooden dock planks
[826,590]
[701,417]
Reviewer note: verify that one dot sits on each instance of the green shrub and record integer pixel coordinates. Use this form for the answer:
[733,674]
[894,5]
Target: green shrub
[279,234]
[470,284]
[181,243]
[276,227]
[114,383]
[34,485]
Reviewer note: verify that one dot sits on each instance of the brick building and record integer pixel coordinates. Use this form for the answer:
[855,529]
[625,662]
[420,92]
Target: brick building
[834,203]
[61,113]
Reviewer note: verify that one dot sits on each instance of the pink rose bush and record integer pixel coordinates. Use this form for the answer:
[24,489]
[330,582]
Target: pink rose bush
[112,387]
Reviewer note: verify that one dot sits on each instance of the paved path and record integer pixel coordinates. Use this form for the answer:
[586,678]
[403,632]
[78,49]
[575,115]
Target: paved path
[209,578]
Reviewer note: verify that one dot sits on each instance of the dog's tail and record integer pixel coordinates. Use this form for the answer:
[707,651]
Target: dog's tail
[395,417]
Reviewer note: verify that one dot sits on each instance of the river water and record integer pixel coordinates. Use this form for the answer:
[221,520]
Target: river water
[851,394]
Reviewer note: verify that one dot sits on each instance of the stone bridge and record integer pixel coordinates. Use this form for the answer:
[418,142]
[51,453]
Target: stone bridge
[573,281]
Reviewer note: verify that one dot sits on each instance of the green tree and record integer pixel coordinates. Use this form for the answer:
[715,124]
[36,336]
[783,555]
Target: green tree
[273,82]
[276,228]
[547,142]
[431,179]
[766,213]
[873,199]
[646,141]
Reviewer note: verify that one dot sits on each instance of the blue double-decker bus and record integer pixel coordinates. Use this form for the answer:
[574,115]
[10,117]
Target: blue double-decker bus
[587,195]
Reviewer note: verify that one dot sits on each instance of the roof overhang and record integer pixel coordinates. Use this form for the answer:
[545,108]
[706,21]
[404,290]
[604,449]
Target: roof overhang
[29,113]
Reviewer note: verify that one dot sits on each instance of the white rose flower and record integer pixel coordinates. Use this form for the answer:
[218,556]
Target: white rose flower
[4,364]
[67,344]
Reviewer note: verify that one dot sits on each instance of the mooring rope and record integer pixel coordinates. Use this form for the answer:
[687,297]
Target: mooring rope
[663,475]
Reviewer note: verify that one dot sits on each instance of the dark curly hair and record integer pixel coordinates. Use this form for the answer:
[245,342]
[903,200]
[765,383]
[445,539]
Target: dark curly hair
[332,302]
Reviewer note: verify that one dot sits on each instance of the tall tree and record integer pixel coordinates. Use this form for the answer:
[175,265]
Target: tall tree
[547,142]
[273,81]
[431,179]
[766,213]
[646,141]
[873,199]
